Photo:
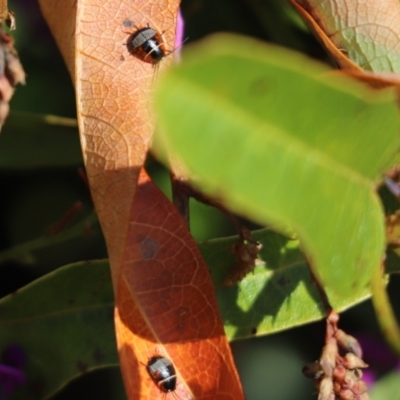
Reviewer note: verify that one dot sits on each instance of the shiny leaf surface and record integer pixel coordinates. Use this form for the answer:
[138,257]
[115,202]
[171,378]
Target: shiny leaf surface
[64,327]
[285,146]
[167,306]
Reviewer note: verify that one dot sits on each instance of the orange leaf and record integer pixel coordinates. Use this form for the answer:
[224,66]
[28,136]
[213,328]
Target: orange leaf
[167,306]
[113,91]
[165,301]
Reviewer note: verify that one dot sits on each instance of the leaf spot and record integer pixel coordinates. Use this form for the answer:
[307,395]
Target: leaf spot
[259,87]
[148,248]
[128,23]
[82,366]
[98,356]
[283,281]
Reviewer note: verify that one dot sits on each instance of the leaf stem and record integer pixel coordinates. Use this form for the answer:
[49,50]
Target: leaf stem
[384,311]
[80,229]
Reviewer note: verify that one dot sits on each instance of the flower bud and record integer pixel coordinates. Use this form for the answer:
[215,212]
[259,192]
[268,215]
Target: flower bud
[346,395]
[360,387]
[351,361]
[313,370]
[326,389]
[328,358]
[348,343]
[339,373]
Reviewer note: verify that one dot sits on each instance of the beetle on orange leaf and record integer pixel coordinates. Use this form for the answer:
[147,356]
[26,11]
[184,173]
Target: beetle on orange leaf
[147,45]
[162,371]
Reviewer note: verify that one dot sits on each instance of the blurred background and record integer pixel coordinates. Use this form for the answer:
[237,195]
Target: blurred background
[34,199]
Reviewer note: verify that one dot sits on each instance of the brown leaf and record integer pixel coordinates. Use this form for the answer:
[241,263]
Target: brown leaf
[367,30]
[341,25]
[113,91]
[61,18]
[165,301]
[167,306]
[314,23]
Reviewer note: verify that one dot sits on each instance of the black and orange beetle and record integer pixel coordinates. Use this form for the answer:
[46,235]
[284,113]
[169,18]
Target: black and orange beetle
[147,45]
[162,371]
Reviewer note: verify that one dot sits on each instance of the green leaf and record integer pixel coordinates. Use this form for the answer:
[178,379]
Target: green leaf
[36,141]
[65,319]
[64,324]
[387,387]
[283,143]
[23,250]
[279,295]
[371,42]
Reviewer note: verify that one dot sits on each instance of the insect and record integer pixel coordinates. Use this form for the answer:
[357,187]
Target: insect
[246,251]
[162,371]
[148,45]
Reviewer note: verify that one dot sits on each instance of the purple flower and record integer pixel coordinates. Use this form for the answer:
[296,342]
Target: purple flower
[180,30]
[379,358]
[11,374]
